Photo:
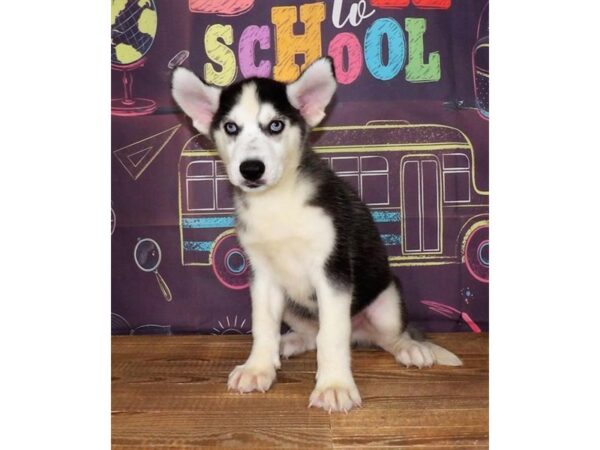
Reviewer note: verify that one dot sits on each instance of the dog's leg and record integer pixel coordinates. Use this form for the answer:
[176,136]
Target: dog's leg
[335,389]
[258,372]
[303,336]
[384,323]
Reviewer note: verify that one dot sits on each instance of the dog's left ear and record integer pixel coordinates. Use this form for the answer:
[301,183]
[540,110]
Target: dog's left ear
[313,90]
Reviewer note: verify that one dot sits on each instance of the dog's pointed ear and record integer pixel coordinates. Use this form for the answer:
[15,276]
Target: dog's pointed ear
[196,98]
[313,90]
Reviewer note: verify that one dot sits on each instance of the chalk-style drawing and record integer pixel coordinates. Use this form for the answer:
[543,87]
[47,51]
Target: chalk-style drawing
[480,59]
[230,263]
[452,313]
[481,73]
[418,181]
[133,29]
[147,256]
[136,157]
[119,325]
[178,59]
[467,294]
[206,218]
[476,250]
[113,220]
[221,7]
[401,4]
[368,175]
[422,211]
[227,326]
[289,43]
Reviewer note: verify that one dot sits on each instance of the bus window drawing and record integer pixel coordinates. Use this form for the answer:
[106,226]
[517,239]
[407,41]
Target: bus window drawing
[481,72]
[417,180]
[368,175]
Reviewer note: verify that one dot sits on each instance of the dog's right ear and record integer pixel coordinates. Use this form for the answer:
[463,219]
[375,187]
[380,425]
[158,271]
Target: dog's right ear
[197,99]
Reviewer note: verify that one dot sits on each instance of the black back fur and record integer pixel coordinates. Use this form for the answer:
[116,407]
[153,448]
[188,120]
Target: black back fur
[359,258]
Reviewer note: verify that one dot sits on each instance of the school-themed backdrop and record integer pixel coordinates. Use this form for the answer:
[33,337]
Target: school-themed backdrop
[408,130]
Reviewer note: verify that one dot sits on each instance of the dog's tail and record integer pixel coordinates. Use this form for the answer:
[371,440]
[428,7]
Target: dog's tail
[442,356]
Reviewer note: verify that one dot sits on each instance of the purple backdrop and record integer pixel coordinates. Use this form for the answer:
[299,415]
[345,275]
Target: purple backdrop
[408,129]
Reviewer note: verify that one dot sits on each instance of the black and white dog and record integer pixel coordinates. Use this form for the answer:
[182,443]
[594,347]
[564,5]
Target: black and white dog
[317,259]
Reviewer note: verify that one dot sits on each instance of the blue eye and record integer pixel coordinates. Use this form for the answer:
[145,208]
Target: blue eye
[231,128]
[276,126]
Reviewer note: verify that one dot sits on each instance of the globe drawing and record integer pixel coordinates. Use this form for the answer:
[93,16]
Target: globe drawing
[133,29]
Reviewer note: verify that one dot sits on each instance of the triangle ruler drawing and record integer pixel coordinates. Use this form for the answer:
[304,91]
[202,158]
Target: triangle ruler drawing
[136,157]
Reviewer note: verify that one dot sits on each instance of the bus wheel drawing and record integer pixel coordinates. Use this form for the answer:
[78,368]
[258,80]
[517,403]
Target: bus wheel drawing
[229,262]
[477,253]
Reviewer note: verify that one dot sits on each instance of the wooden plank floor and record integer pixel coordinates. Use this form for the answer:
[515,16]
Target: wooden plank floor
[170,392]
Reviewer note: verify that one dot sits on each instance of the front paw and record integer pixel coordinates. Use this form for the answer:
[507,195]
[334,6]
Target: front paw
[248,378]
[339,395]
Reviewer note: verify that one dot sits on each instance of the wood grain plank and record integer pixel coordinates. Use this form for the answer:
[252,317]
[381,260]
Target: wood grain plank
[169,392]
[148,429]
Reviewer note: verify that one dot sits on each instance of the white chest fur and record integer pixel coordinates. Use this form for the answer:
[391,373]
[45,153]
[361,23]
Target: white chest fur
[286,239]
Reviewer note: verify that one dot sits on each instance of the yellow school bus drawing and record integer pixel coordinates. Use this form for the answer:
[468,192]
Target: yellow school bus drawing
[417,179]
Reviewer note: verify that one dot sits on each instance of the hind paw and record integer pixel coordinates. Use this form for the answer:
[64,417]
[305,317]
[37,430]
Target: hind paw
[415,354]
[292,344]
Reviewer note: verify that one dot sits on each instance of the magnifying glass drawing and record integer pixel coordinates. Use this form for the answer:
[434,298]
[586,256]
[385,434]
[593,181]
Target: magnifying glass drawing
[147,257]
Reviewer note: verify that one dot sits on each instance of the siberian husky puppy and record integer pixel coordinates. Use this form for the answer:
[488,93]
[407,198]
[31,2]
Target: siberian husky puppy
[318,263]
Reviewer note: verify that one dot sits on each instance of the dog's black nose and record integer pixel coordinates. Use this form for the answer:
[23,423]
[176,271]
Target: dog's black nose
[252,169]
